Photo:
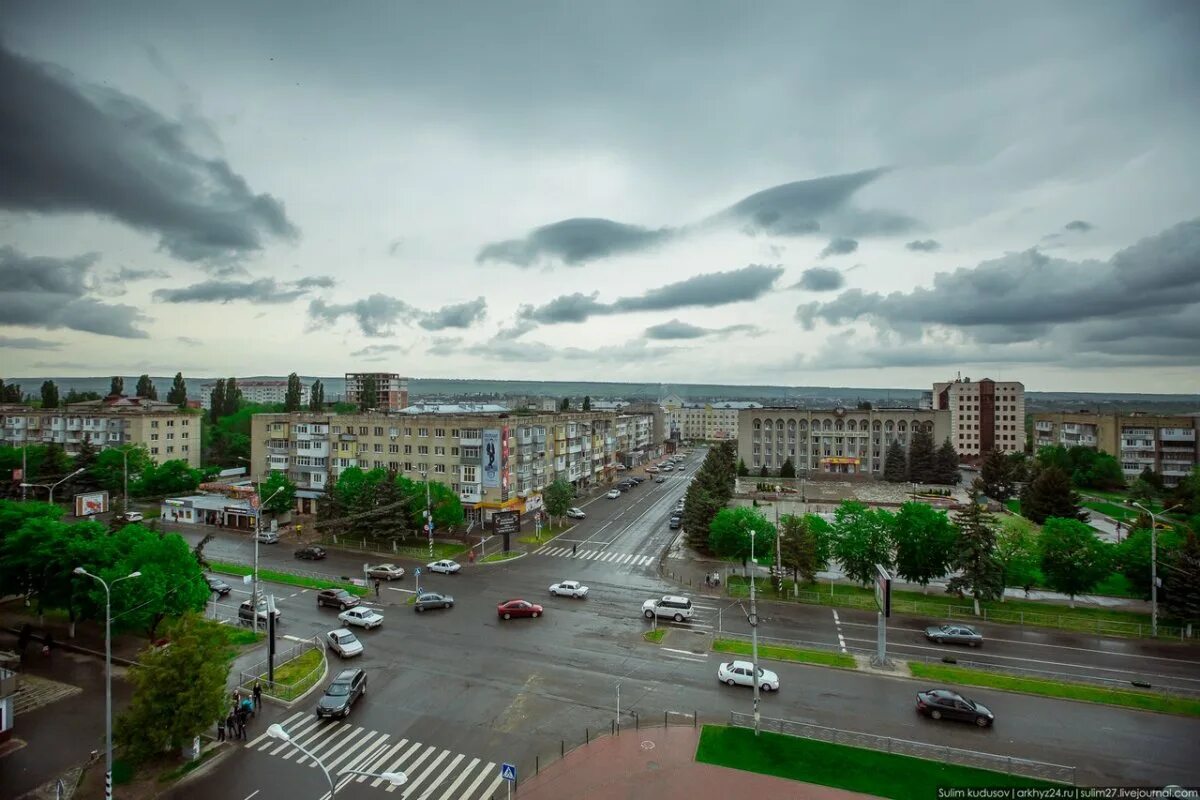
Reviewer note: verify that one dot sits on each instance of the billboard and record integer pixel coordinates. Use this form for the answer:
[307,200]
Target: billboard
[91,503]
[505,522]
[492,455]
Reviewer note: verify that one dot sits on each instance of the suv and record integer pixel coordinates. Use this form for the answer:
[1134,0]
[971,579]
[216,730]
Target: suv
[267,537]
[338,598]
[671,606]
[246,612]
[348,686]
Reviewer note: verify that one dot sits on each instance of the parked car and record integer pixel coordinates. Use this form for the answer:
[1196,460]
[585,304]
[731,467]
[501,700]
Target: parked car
[954,634]
[386,572]
[445,566]
[945,704]
[741,673]
[344,643]
[636,478]
[667,467]
[432,600]
[518,608]
[133,516]
[613,494]
[361,616]
[659,479]
[569,589]
[651,468]
[311,553]
[619,467]
[672,606]
[246,612]
[576,513]
[267,537]
[217,585]
[674,523]
[340,696]
[337,598]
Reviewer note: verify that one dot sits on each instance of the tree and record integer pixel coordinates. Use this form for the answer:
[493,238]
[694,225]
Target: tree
[558,497]
[924,542]
[55,463]
[1020,462]
[79,397]
[173,477]
[233,398]
[283,502]
[922,461]
[178,392]
[446,507]
[316,397]
[862,538]
[108,470]
[708,493]
[368,393]
[1104,473]
[996,473]
[565,405]
[216,404]
[801,548]
[895,464]
[1181,581]
[764,472]
[1074,559]
[1132,555]
[86,455]
[980,572]
[171,583]
[1050,494]
[742,470]
[10,393]
[1142,491]
[117,386]
[178,691]
[946,465]
[49,395]
[587,403]
[145,388]
[1017,552]
[788,470]
[291,400]
[729,533]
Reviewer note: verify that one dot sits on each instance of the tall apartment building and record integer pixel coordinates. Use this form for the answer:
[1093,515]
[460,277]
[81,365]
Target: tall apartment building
[985,415]
[256,392]
[391,390]
[704,421]
[115,421]
[1165,444]
[841,441]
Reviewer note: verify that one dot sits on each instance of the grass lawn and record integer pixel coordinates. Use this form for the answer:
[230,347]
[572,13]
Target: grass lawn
[440,550]
[288,578]
[238,636]
[1013,505]
[1121,513]
[783,653]
[503,556]
[295,677]
[1126,698]
[655,636]
[843,767]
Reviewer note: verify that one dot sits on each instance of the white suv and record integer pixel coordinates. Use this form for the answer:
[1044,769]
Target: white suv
[671,606]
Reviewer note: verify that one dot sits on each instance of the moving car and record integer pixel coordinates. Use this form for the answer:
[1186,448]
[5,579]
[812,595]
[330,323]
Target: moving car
[445,566]
[637,478]
[943,703]
[312,553]
[674,523]
[613,494]
[267,537]
[672,606]
[217,585]
[133,516]
[667,467]
[361,616]
[337,598]
[344,643]
[954,634]
[386,572]
[651,468]
[340,696]
[741,673]
[659,479]
[619,467]
[518,608]
[246,612]
[432,600]
[569,589]
[576,513]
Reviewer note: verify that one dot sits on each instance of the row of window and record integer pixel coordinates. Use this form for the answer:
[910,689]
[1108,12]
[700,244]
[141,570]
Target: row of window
[839,424]
[183,423]
[154,436]
[183,448]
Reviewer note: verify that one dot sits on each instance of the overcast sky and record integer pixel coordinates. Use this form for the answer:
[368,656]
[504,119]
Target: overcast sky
[865,194]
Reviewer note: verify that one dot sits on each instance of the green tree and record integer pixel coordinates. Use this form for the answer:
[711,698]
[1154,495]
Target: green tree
[145,388]
[997,476]
[216,404]
[368,393]
[558,497]
[117,386]
[980,572]
[10,393]
[49,395]
[446,506]
[1021,471]
[587,403]
[946,465]
[85,456]
[329,509]
[1074,559]
[1132,555]
[788,470]
[108,470]
[1104,473]
[729,533]
[742,470]
[171,583]
[280,503]
[1153,478]
[178,392]
[1142,491]
[291,400]
[895,464]
[803,546]
[922,460]
[862,538]
[565,405]
[178,691]
[1181,581]
[764,472]
[173,477]
[1017,553]
[233,398]
[79,397]
[316,397]
[1050,494]
[924,541]
[55,463]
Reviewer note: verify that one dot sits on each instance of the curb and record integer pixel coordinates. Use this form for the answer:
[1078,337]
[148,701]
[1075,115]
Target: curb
[518,557]
[289,704]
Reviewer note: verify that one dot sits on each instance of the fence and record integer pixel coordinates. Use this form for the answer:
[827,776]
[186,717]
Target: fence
[933,752]
[283,691]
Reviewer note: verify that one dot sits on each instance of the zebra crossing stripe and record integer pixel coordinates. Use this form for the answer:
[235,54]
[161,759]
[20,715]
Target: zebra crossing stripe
[462,776]
[449,770]
[257,739]
[318,741]
[413,783]
[470,792]
[624,557]
[304,731]
[541,550]
[411,769]
[361,743]
[395,767]
[383,758]
[495,784]
[358,763]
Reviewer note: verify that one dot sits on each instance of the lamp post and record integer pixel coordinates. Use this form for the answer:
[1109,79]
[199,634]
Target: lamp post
[52,486]
[108,793]
[753,634]
[257,533]
[428,513]
[1154,564]
[125,476]
[277,731]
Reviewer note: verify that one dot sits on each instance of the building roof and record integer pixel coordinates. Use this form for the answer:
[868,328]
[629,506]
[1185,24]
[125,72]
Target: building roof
[208,502]
[454,408]
[734,404]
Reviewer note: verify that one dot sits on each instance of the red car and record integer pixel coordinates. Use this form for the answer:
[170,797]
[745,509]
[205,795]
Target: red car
[518,608]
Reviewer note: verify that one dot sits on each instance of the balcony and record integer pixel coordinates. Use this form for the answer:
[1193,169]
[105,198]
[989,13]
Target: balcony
[1043,426]
[471,441]
[1177,435]
[470,494]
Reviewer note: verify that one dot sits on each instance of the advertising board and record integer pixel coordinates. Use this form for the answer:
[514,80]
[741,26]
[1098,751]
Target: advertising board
[91,503]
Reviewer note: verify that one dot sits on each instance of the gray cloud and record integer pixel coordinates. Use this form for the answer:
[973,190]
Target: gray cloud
[460,315]
[924,245]
[443,346]
[73,148]
[519,328]
[632,351]
[28,343]
[315,282]
[574,242]
[677,329]
[800,207]
[189,341]
[379,350]
[820,279]
[377,314]
[1079,225]
[839,247]
[263,290]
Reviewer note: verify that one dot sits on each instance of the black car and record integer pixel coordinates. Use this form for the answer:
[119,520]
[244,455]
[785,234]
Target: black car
[945,704]
[217,585]
[339,697]
[337,598]
[312,553]
[432,600]
[675,522]
[636,478]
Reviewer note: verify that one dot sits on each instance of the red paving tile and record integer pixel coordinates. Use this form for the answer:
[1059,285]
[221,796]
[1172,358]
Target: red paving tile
[658,764]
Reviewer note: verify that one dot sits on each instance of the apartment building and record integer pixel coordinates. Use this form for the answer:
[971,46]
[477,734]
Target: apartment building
[985,415]
[256,392]
[704,421]
[115,421]
[1165,444]
[839,441]
[391,390]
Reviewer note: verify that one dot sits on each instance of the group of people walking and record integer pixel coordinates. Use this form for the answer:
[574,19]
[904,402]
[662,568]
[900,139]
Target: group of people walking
[240,712]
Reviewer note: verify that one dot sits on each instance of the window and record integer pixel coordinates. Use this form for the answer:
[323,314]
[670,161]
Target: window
[422,431]
[439,433]
[408,466]
[393,448]
[154,437]
[183,423]
[153,451]
[454,433]
[454,451]
[422,449]
[423,466]
[408,431]
[378,447]
[379,430]
[171,435]
[439,451]
[153,423]
[408,449]
[170,449]
[468,474]
[439,468]
[183,448]
[170,423]
[183,435]
[336,429]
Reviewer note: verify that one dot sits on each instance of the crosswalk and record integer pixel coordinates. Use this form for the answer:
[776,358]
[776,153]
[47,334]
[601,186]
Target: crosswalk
[433,773]
[599,556]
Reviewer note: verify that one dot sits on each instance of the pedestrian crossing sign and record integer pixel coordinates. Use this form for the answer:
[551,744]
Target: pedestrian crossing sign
[508,772]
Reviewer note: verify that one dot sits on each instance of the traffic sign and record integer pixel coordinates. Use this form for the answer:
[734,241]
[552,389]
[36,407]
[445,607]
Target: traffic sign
[508,772]
[417,571]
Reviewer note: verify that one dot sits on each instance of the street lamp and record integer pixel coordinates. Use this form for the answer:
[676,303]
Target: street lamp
[1154,564]
[52,486]
[753,633]
[428,513]
[277,731]
[108,793]
[257,535]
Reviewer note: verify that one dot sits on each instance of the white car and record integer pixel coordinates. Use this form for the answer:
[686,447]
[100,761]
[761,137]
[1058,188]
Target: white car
[134,516]
[576,513]
[445,565]
[651,468]
[361,616]
[569,589]
[387,572]
[671,606]
[667,468]
[344,643]
[741,673]
[619,467]
[613,494]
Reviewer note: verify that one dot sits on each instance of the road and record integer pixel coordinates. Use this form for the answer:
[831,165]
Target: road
[454,694]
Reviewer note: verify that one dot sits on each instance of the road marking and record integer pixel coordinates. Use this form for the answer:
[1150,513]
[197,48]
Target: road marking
[470,792]
[837,623]
[358,763]
[256,791]
[493,787]
[395,766]
[685,652]
[320,740]
[360,743]
[375,767]
[449,770]
[284,724]
[408,591]
[462,776]
[304,730]
[414,782]
[413,766]
[291,638]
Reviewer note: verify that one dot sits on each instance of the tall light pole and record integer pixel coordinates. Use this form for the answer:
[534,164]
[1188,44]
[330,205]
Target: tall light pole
[753,634]
[52,486]
[108,792]
[257,533]
[1154,564]
[428,513]
[125,471]
[277,731]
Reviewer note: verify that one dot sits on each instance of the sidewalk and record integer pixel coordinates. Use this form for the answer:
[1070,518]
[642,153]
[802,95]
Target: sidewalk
[88,639]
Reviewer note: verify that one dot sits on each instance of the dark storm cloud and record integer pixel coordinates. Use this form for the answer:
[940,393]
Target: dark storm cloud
[820,279]
[924,245]
[28,343]
[377,314]
[677,329]
[73,148]
[632,351]
[460,315]
[1079,225]
[315,282]
[264,290]
[798,208]
[839,247]
[574,242]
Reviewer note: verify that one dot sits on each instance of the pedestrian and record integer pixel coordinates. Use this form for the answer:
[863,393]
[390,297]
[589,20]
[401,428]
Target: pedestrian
[231,725]
[377,587]
[257,695]
[573,547]
[708,579]
[221,729]
[240,716]
[47,643]
[23,639]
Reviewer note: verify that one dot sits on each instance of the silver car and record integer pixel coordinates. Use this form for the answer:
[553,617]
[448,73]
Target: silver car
[954,634]
[344,643]
[432,600]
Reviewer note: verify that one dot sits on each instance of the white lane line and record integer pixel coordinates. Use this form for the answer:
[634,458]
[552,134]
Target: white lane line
[284,724]
[541,550]
[406,591]
[449,770]
[396,764]
[375,767]
[462,776]
[320,739]
[256,791]
[292,638]
[360,747]
[413,766]
[685,652]
[492,788]
[470,792]
[837,622]
[413,783]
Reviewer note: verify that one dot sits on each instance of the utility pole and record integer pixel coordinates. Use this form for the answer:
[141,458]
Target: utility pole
[428,513]
[753,634]
[778,557]
[24,471]
[1154,565]
[125,463]
[257,534]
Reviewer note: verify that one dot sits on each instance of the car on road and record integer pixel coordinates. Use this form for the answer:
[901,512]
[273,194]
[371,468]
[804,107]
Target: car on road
[651,468]
[344,643]
[619,467]
[954,634]
[432,600]
[133,516]
[337,598]
[217,585]
[267,537]
[386,572]
[659,479]
[340,696]
[246,612]
[637,479]
[613,494]
[945,704]
[361,616]
[675,523]
[445,566]
[518,608]
[667,467]
[311,553]
[672,606]
[568,589]
[741,673]
[576,513]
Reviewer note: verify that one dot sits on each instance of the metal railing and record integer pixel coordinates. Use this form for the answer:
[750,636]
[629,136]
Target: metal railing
[284,691]
[933,752]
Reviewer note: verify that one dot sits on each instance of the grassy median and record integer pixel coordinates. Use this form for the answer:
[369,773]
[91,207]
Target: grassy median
[775,652]
[655,636]
[297,676]
[288,578]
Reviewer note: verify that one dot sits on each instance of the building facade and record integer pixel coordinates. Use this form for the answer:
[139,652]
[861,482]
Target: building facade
[985,415]
[1164,444]
[704,421]
[115,421]
[391,390]
[840,441]
[256,392]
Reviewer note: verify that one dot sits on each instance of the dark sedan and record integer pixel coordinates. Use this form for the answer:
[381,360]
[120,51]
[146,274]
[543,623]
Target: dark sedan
[339,697]
[217,585]
[311,553]
[432,600]
[954,634]
[945,704]
[518,608]
[337,598]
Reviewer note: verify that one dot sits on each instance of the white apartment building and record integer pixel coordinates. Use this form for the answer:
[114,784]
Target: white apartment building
[985,415]
[704,421]
[256,392]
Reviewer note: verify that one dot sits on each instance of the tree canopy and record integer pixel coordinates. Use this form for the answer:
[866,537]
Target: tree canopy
[997,475]
[980,573]
[1050,494]
[924,541]
[895,465]
[862,538]
[280,503]
[922,460]
[178,391]
[558,497]
[729,533]
[49,394]
[1074,559]
[145,388]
